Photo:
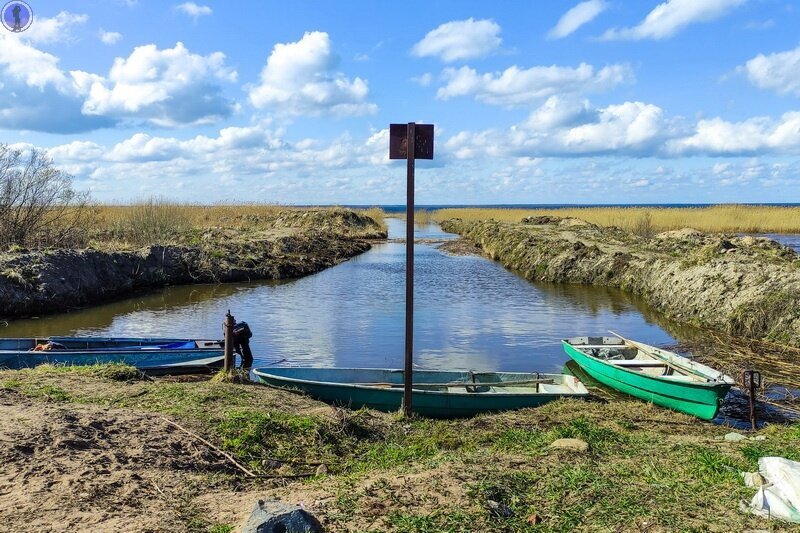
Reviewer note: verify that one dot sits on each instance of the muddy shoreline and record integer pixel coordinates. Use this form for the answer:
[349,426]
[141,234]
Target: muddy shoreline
[743,286]
[297,244]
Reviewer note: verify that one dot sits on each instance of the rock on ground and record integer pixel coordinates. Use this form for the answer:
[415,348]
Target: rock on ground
[271,516]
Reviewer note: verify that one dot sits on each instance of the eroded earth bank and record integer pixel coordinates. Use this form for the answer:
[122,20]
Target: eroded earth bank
[285,244]
[743,286]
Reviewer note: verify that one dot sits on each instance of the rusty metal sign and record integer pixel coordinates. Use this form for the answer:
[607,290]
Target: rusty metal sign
[423,141]
[410,142]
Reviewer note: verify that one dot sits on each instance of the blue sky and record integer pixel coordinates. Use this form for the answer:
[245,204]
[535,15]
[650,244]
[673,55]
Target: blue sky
[600,101]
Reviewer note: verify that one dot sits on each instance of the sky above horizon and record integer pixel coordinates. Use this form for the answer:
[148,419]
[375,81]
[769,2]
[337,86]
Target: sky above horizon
[600,101]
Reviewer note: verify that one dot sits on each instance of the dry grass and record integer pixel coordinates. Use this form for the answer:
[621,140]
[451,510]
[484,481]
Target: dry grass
[159,220]
[718,218]
[377,214]
[214,215]
[199,216]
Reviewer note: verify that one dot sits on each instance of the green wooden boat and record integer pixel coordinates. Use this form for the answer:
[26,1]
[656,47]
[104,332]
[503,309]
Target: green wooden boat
[652,374]
[436,394]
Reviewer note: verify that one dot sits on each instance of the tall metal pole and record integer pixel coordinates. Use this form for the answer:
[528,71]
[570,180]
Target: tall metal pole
[409,360]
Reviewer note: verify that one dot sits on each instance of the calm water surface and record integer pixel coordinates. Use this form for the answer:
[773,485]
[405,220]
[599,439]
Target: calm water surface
[470,313]
[790,240]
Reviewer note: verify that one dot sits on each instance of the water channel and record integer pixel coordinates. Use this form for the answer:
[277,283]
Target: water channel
[470,312]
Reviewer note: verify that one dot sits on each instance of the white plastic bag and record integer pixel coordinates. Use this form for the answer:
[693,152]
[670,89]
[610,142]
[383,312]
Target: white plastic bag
[780,497]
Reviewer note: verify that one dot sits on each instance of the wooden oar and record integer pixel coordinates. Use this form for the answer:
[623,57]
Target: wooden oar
[666,361]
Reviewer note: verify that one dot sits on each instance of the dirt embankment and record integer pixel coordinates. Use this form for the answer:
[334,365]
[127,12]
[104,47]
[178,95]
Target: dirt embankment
[289,244]
[744,286]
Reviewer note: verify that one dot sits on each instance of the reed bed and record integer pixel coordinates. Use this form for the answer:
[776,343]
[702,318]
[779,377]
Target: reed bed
[718,218]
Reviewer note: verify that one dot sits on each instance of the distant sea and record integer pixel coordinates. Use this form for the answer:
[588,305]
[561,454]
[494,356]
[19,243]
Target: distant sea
[402,208]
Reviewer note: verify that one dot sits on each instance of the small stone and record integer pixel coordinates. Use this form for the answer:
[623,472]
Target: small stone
[534,519]
[759,437]
[499,509]
[575,445]
[753,479]
[272,516]
[734,437]
[322,470]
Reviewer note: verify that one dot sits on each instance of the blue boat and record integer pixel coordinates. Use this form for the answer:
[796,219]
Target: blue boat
[151,354]
[436,394]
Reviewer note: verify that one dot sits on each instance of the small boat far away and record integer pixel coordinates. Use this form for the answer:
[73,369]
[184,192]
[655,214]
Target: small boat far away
[150,354]
[652,374]
[436,394]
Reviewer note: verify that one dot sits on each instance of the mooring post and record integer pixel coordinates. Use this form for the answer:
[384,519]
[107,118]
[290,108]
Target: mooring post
[752,380]
[227,326]
[410,141]
[409,355]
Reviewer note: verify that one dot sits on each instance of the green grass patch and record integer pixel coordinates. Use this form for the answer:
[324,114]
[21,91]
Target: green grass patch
[448,519]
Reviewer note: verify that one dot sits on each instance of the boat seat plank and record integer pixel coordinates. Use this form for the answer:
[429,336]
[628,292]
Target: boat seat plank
[636,362]
[597,346]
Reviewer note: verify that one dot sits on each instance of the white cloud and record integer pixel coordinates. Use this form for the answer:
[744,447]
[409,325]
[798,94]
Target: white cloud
[516,86]
[77,157]
[55,29]
[562,127]
[423,80]
[193,10]
[628,126]
[460,39]
[670,17]
[559,111]
[109,37]
[38,95]
[576,17]
[167,87]
[300,78]
[252,156]
[779,72]
[756,135]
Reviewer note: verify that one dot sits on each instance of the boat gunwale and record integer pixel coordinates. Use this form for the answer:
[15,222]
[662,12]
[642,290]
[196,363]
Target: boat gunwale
[111,351]
[260,372]
[708,384]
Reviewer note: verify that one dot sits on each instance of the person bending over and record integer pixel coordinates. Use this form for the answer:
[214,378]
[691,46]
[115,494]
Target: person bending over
[241,343]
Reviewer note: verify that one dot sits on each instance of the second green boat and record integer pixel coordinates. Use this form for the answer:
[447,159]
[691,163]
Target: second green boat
[652,374]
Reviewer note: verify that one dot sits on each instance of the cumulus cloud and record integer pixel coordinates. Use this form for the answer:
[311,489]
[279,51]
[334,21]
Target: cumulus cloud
[109,37]
[756,135]
[252,155]
[194,10]
[565,126]
[460,39]
[670,17]
[560,111]
[38,95]
[576,17]
[516,86]
[300,78]
[167,87]
[779,72]
[561,128]
[53,30]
